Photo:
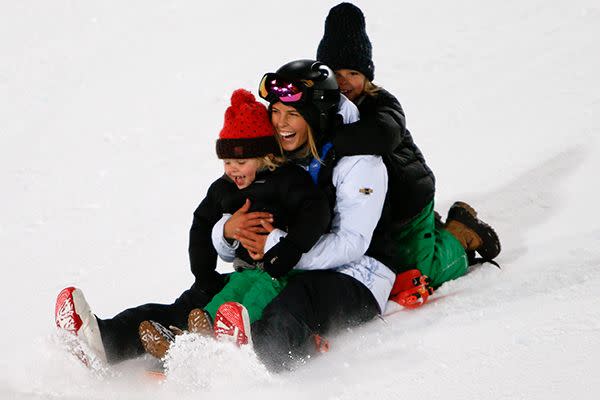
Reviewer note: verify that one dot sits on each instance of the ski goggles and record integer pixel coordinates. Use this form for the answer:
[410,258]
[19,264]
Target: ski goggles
[273,88]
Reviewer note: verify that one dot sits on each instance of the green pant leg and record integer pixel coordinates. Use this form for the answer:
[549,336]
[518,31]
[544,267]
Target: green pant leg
[264,290]
[449,260]
[235,290]
[432,250]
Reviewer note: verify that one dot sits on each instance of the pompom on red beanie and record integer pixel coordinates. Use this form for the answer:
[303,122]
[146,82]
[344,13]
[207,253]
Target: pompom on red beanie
[247,130]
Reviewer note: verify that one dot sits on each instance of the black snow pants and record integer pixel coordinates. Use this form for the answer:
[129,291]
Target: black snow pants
[120,333]
[314,302]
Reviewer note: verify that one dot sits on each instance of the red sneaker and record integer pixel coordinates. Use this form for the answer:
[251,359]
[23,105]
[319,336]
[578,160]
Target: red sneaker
[232,322]
[72,314]
[65,315]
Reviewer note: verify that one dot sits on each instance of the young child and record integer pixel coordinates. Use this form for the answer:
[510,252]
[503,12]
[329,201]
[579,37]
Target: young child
[439,252]
[256,179]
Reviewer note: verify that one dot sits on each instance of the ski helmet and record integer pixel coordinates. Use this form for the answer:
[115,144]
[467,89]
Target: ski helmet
[307,85]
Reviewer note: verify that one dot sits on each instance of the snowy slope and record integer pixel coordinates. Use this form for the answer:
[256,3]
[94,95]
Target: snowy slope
[108,116]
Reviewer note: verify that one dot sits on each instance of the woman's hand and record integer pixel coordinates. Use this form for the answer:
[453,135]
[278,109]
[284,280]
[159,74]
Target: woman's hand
[242,219]
[252,241]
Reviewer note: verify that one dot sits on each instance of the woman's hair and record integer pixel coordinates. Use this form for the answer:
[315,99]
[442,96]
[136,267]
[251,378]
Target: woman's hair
[270,162]
[312,145]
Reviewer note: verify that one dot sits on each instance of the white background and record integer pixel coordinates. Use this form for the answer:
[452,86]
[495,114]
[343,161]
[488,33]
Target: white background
[108,116]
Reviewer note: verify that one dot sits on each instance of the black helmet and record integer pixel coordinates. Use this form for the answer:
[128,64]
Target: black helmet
[307,85]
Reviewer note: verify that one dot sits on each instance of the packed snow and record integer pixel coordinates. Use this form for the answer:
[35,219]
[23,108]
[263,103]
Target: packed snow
[109,112]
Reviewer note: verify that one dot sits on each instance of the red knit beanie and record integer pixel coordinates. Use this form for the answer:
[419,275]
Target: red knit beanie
[247,131]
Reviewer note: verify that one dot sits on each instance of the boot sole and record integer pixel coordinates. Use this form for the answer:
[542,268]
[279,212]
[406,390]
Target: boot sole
[199,323]
[153,341]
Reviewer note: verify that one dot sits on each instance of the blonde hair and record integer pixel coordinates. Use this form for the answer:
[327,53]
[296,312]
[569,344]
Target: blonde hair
[312,145]
[371,89]
[270,162]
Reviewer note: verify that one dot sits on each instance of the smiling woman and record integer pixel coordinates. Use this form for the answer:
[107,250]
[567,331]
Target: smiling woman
[340,286]
[264,182]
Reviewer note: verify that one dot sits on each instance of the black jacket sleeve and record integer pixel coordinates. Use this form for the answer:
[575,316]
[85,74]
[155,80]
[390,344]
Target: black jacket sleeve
[203,256]
[379,131]
[309,218]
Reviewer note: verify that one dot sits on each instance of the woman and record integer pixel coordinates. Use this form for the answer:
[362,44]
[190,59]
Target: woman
[341,286]
[255,175]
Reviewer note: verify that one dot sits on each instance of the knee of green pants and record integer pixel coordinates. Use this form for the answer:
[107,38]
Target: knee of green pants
[236,288]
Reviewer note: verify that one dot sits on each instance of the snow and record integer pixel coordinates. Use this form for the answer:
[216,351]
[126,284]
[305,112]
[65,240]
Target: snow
[108,115]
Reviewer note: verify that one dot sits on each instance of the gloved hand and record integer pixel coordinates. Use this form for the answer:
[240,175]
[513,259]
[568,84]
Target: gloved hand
[281,259]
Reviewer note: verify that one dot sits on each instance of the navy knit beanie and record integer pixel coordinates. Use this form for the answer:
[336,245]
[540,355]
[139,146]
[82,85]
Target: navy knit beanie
[345,44]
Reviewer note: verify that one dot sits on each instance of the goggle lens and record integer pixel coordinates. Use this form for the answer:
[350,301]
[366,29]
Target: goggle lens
[285,91]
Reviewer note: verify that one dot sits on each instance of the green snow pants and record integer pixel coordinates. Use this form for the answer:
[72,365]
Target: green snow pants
[254,288]
[431,249]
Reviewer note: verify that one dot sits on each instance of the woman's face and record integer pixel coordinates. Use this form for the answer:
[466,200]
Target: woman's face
[242,171]
[291,128]
[351,83]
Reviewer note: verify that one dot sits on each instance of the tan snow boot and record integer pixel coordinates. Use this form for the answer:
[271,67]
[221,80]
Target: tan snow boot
[471,232]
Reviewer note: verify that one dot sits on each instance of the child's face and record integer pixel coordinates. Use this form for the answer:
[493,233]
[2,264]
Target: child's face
[242,171]
[351,83]
[291,127]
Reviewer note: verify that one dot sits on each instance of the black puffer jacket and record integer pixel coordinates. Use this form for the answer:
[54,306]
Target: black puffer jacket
[382,131]
[288,193]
